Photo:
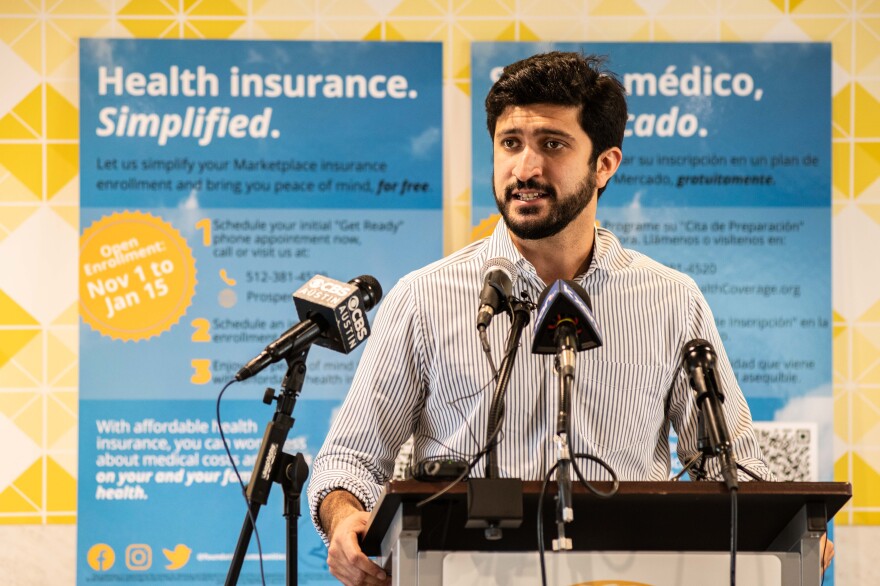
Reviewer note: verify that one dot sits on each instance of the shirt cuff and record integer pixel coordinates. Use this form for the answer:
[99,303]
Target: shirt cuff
[318,491]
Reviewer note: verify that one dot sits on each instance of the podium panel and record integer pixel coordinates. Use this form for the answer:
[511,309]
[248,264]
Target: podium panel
[779,526]
[631,569]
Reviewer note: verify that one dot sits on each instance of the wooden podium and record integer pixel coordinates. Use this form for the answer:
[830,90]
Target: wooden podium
[782,519]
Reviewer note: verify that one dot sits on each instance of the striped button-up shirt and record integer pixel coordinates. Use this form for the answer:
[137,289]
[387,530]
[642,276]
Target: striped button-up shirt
[423,373]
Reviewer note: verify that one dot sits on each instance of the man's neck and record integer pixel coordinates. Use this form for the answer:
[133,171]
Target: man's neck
[562,256]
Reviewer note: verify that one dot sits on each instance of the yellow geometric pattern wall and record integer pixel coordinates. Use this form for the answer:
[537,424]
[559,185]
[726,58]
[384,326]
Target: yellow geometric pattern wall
[39,192]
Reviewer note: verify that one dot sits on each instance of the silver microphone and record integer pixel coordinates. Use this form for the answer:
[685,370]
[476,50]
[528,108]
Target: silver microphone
[499,275]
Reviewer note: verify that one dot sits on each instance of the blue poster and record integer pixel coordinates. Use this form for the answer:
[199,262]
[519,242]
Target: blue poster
[726,176]
[216,178]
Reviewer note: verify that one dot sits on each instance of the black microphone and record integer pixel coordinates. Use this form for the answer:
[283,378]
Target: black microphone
[565,324]
[499,274]
[333,315]
[700,361]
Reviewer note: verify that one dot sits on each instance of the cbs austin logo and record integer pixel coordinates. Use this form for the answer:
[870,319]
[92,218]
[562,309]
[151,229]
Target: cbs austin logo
[138,557]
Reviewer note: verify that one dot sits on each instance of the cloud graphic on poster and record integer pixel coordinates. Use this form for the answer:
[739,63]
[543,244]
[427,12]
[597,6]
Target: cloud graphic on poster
[187,215]
[816,406]
[422,144]
[102,49]
[701,106]
[333,415]
[192,201]
[325,55]
[254,56]
[636,203]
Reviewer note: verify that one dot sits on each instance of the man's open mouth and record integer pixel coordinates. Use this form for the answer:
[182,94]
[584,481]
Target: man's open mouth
[529,196]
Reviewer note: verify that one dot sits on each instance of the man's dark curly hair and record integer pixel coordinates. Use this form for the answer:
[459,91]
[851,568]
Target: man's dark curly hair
[565,79]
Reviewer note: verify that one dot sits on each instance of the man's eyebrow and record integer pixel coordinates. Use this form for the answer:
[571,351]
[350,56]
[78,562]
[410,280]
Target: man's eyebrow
[542,131]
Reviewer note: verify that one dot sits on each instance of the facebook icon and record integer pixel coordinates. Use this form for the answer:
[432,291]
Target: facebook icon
[101,557]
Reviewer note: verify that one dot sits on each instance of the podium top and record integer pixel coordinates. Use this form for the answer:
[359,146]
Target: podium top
[648,516]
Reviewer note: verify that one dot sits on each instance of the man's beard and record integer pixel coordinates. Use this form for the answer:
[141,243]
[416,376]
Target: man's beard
[561,211]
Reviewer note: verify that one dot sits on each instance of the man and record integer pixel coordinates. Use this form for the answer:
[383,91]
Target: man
[557,122]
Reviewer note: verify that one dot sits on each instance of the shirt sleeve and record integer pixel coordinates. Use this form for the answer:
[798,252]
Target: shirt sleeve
[379,412]
[684,411]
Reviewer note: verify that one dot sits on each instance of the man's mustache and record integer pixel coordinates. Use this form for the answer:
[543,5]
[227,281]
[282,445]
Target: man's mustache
[533,184]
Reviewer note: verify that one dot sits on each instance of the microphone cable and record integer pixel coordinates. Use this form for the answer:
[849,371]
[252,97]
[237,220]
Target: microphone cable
[487,350]
[490,441]
[467,469]
[751,474]
[734,510]
[484,334]
[734,513]
[539,522]
[240,483]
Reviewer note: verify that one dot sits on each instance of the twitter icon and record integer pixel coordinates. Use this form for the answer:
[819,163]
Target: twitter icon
[178,557]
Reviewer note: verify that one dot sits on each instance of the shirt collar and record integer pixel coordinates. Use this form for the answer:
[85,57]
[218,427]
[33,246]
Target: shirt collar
[608,254]
[499,244]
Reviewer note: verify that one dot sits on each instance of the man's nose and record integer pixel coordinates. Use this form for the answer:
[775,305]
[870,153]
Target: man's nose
[528,164]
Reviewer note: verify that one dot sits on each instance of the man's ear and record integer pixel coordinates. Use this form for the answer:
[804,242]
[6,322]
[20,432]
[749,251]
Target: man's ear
[607,164]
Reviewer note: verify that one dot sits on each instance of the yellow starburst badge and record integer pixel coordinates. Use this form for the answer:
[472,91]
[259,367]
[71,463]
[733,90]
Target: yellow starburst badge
[485,227]
[137,276]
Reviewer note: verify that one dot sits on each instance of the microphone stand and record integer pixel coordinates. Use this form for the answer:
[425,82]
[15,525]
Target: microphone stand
[709,399]
[275,465]
[520,319]
[566,340]
[712,440]
[495,502]
[704,450]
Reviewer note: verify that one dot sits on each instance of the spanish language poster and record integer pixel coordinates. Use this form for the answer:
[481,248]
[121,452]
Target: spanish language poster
[726,176]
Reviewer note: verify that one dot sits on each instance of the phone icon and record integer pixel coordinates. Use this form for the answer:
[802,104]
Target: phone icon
[227,279]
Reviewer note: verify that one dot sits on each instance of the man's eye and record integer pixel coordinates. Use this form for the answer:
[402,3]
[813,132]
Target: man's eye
[554,144]
[508,143]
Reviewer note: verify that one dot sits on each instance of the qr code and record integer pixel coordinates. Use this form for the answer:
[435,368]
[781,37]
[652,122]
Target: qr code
[791,449]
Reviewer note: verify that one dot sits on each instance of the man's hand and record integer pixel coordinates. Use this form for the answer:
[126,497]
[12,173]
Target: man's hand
[344,520]
[826,550]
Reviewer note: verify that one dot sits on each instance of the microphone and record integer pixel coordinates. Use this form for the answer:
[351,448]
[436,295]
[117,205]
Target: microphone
[333,315]
[699,361]
[499,274]
[565,324]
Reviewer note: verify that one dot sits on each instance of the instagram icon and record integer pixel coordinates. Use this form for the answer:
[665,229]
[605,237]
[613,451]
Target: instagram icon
[138,557]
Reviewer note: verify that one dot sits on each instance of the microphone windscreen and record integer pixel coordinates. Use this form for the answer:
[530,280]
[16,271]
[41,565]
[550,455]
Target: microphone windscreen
[565,300]
[501,263]
[575,287]
[698,353]
[498,274]
[370,289]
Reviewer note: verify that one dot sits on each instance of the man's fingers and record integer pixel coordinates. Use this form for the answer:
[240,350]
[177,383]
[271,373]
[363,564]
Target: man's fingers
[354,575]
[827,548]
[346,560]
[356,558]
